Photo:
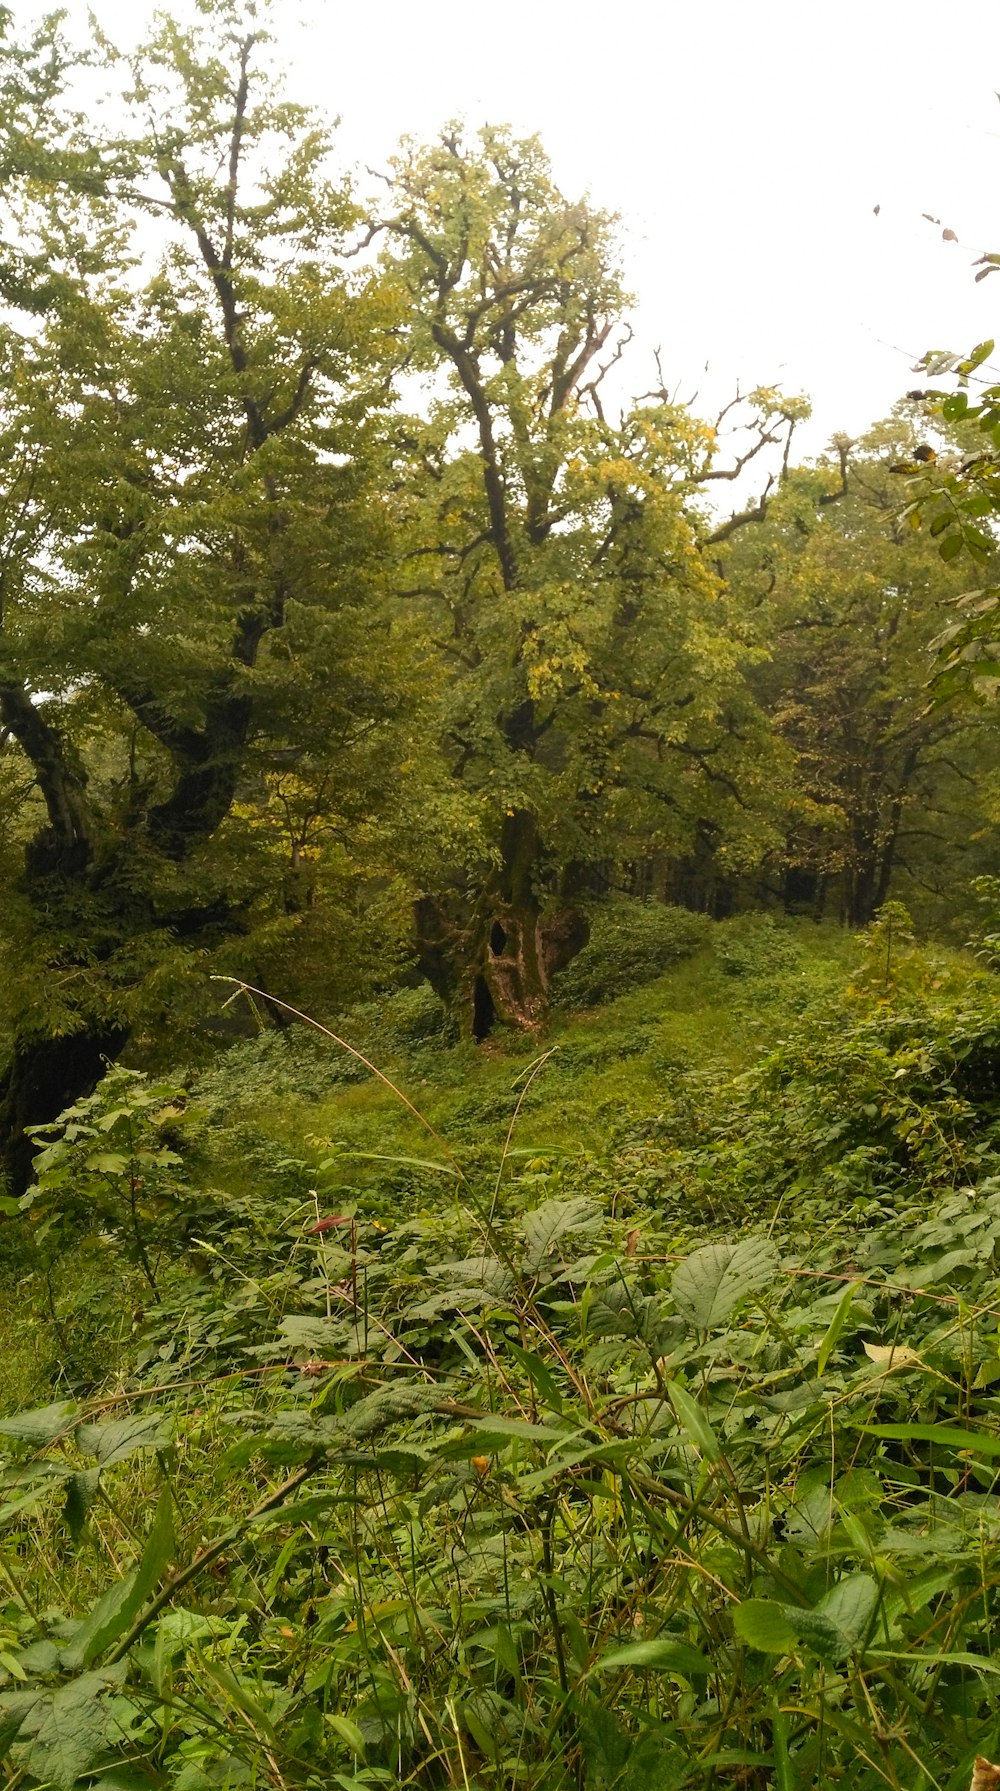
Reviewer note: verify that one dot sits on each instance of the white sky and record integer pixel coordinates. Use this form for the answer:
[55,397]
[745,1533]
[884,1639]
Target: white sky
[745,144]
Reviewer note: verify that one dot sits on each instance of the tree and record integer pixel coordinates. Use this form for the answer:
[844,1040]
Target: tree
[850,599]
[588,660]
[956,495]
[187,548]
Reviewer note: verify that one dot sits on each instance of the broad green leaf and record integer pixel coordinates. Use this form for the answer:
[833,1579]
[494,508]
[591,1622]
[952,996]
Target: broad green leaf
[122,1438]
[709,1285]
[549,1224]
[73,1732]
[764,1625]
[841,1621]
[850,1604]
[121,1604]
[659,1656]
[388,1405]
[818,1632]
[15,1708]
[318,1337]
[40,1426]
[81,1491]
[349,1732]
[606,1744]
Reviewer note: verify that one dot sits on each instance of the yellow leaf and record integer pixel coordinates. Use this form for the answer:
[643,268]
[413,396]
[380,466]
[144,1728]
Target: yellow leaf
[893,1355]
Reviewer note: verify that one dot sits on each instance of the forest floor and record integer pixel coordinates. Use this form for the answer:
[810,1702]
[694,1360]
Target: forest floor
[615,1414]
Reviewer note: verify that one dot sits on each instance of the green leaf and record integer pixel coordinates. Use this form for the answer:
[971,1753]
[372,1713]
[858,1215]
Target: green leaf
[317,1336]
[116,1611]
[107,1162]
[548,1224]
[850,1604]
[124,1437]
[955,406]
[841,1621]
[764,1625]
[835,1328]
[694,1423]
[40,1426]
[950,547]
[15,1708]
[539,1375]
[493,1434]
[979,1663]
[73,1732]
[661,1656]
[81,1491]
[349,1732]
[388,1405]
[710,1284]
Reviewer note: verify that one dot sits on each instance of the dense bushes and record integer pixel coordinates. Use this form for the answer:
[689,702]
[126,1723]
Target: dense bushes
[631,943]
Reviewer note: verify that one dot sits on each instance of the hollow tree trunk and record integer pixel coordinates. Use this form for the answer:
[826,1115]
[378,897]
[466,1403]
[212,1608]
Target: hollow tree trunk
[492,961]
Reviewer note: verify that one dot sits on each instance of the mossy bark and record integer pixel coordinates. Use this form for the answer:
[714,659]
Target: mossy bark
[492,961]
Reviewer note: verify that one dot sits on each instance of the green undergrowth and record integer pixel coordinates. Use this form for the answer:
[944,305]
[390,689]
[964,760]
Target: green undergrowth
[730,989]
[647,1442]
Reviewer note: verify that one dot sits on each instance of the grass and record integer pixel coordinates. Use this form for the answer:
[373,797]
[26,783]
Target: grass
[606,1062]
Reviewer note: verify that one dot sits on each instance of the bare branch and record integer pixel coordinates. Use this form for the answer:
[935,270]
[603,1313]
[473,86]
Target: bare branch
[740,518]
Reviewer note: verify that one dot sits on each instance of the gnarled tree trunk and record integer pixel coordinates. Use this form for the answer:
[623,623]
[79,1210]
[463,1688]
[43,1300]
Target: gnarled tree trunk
[492,961]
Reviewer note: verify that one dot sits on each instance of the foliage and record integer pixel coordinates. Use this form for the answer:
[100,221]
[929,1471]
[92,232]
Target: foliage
[617,1414]
[592,703]
[957,497]
[536,1487]
[849,597]
[630,943]
[108,1165]
[189,617]
[756,946]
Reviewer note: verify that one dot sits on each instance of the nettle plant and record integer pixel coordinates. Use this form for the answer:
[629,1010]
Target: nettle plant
[108,1165]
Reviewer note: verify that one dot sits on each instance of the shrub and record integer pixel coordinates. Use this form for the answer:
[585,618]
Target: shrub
[756,947]
[631,943]
[297,1061]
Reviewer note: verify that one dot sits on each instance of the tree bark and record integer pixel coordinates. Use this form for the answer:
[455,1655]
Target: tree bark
[492,961]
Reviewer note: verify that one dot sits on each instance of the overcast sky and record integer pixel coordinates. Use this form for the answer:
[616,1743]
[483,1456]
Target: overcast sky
[745,146]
